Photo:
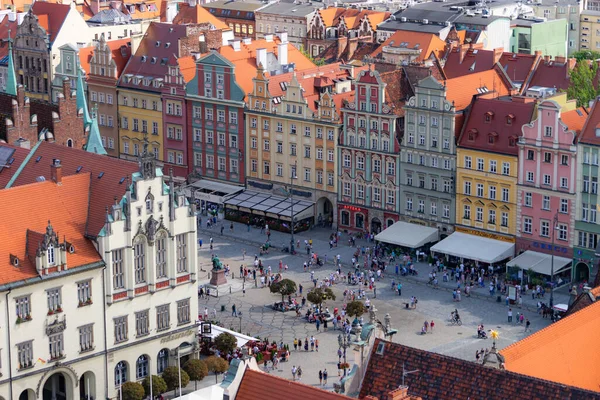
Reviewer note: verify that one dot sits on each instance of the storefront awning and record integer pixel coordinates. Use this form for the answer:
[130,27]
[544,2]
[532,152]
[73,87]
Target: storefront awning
[408,235]
[475,248]
[215,192]
[241,339]
[540,262]
[269,203]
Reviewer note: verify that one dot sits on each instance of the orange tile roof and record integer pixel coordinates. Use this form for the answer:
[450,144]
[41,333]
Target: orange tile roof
[187,67]
[19,156]
[462,89]
[575,119]
[427,42]
[595,291]
[377,17]
[588,132]
[331,15]
[51,16]
[566,352]
[197,14]
[85,55]
[245,60]
[257,385]
[65,205]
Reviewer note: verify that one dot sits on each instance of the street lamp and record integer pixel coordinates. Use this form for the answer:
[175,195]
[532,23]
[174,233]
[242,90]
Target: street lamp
[240,317]
[344,343]
[554,228]
[291,194]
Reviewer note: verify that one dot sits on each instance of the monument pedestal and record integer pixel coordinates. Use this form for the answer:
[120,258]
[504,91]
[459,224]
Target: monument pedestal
[217,277]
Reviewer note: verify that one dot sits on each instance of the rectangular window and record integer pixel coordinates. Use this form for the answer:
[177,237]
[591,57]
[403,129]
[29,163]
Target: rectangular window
[117,268]
[527,222]
[564,183]
[84,292]
[562,232]
[479,214]
[505,195]
[492,192]
[446,211]
[54,299]
[293,129]
[86,337]
[421,207]
[208,114]
[546,203]
[529,176]
[391,197]
[182,265]
[319,153]
[545,228]
[360,191]
[266,168]
[492,217]
[142,323]
[467,162]
[347,189]
[121,330]
[23,307]
[548,157]
[564,159]
[183,311]
[504,221]
[547,180]
[330,179]
[409,204]
[25,354]
[505,168]
[306,151]
[330,156]
[480,164]
[139,261]
[467,212]
[564,206]
[376,194]
[468,188]
[293,149]
[433,208]
[161,255]
[222,163]
[480,190]
[163,317]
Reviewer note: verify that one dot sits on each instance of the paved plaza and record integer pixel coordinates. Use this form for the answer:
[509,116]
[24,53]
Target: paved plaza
[434,303]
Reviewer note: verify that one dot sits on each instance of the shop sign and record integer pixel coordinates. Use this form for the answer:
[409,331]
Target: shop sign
[488,235]
[177,335]
[546,246]
[416,222]
[352,208]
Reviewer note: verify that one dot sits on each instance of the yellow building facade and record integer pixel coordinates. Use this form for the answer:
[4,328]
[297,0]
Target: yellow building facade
[286,137]
[486,194]
[140,114]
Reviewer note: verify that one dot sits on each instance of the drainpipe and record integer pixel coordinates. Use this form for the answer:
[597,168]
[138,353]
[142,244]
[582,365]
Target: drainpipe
[10,379]
[105,334]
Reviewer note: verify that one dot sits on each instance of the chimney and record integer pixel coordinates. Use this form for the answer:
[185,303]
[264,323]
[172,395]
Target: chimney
[282,36]
[282,53]
[571,62]
[67,88]
[269,37]
[498,54]
[95,6]
[399,394]
[538,53]
[56,171]
[547,59]
[236,44]
[560,59]
[261,58]
[247,40]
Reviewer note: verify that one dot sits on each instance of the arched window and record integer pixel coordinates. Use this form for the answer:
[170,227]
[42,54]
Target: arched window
[141,367]
[120,373]
[162,361]
[237,28]
[149,202]
[345,218]
[50,255]
[250,29]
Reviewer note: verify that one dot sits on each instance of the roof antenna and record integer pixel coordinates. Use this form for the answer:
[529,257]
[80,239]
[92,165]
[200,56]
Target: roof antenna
[405,373]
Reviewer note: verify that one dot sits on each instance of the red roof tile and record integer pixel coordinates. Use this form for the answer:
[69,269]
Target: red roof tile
[257,385]
[196,15]
[85,56]
[19,155]
[588,132]
[518,66]
[552,74]
[566,352]
[5,26]
[55,15]
[444,377]
[575,119]
[461,90]
[65,206]
[460,62]
[489,117]
[103,188]
[426,42]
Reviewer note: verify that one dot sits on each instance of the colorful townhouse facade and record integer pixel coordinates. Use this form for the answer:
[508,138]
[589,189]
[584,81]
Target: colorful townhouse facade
[487,167]
[368,159]
[546,193]
[298,115]
[587,226]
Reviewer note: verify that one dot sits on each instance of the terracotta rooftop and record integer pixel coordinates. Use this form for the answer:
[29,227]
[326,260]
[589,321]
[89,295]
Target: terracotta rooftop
[499,120]
[187,67]
[257,385]
[444,377]
[397,89]
[16,156]
[583,300]
[108,176]
[590,132]
[196,15]
[575,119]
[426,42]
[466,61]
[85,56]
[566,352]
[5,27]
[519,67]
[32,206]
[51,16]
[461,90]
[553,73]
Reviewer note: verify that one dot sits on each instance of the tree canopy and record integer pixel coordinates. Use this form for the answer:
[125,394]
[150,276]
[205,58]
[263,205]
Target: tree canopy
[225,342]
[581,87]
[196,369]
[319,295]
[159,386]
[216,364]
[585,55]
[171,377]
[284,287]
[132,391]
[355,308]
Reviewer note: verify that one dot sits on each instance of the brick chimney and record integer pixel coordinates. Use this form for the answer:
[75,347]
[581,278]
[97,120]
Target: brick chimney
[66,88]
[56,171]
[497,54]
[401,394]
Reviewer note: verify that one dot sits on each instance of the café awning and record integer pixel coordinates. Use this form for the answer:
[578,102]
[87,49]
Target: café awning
[264,203]
[408,235]
[540,263]
[241,339]
[475,248]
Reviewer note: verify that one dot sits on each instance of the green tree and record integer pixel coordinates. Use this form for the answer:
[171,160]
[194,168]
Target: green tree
[225,342]
[217,365]
[197,370]
[585,55]
[319,295]
[159,386]
[581,85]
[171,377]
[355,309]
[132,391]
[285,287]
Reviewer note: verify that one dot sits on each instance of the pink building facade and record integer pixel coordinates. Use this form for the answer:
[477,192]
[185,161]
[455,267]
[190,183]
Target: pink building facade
[547,183]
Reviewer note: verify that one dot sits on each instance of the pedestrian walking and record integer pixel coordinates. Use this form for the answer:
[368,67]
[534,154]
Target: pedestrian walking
[320,377]
[399,289]
[222,228]
[318,323]
[305,344]
[527,325]
[340,353]
[317,342]
[295,344]
[299,373]
[231,227]
[325,377]
[510,315]
[248,225]
[426,326]
[431,325]
[312,343]
[294,371]
[233,311]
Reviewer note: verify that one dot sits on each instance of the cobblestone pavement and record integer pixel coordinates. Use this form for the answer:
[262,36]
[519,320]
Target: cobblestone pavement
[434,304]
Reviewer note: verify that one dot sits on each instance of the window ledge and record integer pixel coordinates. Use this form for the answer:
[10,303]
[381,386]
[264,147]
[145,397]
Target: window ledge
[21,368]
[142,335]
[183,323]
[87,350]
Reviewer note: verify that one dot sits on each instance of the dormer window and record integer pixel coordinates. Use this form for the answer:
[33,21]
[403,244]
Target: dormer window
[492,137]
[489,116]
[509,119]
[472,134]
[50,255]
[512,141]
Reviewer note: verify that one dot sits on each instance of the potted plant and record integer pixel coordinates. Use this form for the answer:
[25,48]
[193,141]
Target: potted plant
[19,320]
[59,309]
[50,311]
[28,317]
[88,301]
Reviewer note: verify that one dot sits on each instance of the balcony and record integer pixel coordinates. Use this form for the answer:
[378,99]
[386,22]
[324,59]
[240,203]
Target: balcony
[54,324]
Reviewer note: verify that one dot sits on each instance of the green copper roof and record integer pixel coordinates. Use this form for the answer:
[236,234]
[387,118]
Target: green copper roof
[11,80]
[81,101]
[94,141]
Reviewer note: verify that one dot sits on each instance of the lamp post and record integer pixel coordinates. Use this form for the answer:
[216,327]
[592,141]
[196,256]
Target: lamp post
[343,343]
[291,193]
[179,370]
[554,228]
